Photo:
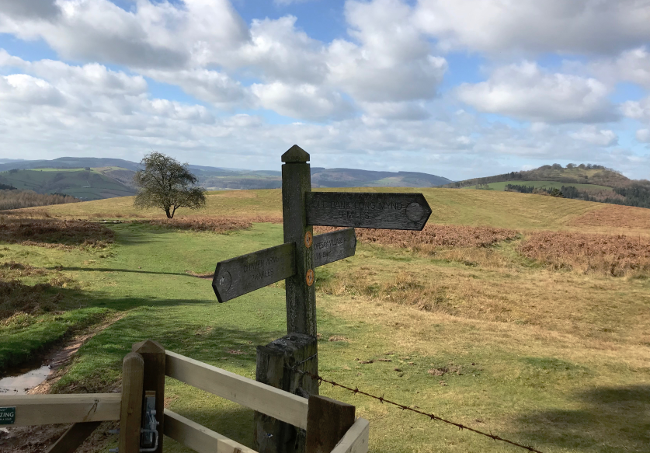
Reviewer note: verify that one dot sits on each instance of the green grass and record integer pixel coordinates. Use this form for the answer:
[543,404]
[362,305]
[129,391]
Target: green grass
[26,336]
[563,375]
[547,185]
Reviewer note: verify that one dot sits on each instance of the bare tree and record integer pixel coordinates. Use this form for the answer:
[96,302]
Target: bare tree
[165,183]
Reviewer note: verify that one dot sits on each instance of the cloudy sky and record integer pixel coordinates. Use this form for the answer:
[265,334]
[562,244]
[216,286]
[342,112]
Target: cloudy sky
[458,88]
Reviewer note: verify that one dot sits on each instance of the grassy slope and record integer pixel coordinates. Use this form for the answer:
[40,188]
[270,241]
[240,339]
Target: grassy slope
[449,206]
[553,359]
[547,185]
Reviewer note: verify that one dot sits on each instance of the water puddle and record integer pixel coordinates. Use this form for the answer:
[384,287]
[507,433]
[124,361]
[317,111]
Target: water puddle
[18,385]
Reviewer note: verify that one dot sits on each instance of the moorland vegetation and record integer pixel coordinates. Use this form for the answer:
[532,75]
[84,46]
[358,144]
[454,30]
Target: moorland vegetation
[522,315]
[16,199]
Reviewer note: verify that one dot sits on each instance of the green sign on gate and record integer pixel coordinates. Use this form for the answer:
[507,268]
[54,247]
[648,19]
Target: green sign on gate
[7,415]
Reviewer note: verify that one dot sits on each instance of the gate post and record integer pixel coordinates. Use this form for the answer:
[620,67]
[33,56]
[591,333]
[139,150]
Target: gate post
[153,355]
[274,363]
[131,411]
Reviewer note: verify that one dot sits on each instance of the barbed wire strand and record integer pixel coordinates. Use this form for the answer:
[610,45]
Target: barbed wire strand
[403,407]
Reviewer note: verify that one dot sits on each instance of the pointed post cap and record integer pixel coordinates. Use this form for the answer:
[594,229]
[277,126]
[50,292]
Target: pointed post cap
[295,154]
[147,346]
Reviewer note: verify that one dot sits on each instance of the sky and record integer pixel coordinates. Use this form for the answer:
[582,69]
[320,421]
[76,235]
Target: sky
[456,88]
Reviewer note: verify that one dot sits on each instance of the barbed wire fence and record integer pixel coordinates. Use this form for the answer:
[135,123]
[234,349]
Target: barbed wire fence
[404,407]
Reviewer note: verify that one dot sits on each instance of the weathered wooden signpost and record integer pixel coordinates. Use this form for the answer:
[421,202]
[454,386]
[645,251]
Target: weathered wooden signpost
[295,261]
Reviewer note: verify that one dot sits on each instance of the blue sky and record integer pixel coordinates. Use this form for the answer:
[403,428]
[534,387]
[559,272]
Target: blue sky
[458,88]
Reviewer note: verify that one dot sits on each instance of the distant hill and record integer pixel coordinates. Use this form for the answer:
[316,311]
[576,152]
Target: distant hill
[79,183]
[90,178]
[571,174]
[69,162]
[345,177]
[584,182]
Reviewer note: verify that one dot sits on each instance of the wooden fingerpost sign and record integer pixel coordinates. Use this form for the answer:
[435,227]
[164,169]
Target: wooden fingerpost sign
[295,261]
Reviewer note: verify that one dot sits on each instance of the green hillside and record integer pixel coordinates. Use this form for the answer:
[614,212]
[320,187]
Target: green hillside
[569,175]
[80,183]
[545,185]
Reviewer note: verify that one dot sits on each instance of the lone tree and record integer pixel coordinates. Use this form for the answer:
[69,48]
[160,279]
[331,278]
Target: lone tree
[165,183]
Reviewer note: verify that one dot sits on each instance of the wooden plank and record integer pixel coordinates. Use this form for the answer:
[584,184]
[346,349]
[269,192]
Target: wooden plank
[299,288]
[397,211]
[260,397]
[73,437]
[199,438]
[53,409]
[327,422]
[246,273]
[334,246]
[153,355]
[131,413]
[274,367]
[356,439]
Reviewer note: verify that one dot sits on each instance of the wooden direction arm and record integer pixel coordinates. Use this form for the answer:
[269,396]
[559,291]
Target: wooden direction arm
[246,273]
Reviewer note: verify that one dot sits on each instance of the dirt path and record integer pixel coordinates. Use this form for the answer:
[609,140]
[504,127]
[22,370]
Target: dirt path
[37,439]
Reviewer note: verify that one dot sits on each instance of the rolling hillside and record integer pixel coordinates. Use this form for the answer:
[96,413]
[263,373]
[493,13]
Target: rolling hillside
[449,206]
[571,174]
[583,182]
[79,183]
[114,177]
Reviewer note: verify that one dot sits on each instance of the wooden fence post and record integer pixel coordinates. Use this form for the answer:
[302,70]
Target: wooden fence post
[327,422]
[274,363]
[153,355]
[131,411]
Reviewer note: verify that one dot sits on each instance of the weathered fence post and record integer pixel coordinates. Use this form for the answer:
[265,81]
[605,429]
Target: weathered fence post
[327,422]
[274,363]
[131,411]
[153,355]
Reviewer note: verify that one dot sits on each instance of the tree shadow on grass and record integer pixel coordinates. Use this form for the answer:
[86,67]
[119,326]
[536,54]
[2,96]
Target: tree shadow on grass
[612,419]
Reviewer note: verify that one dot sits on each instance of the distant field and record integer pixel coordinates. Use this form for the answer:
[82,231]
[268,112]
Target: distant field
[547,185]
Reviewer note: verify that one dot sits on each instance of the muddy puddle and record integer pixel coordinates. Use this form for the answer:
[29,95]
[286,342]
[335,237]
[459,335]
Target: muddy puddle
[24,380]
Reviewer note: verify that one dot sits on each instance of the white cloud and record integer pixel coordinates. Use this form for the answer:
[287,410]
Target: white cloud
[638,110]
[643,135]
[152,35]
[28,91]
[632,65]
[281,52]
[302,101]
[575,26]
[392,61]
[527,92]
[206,85]
[411,111]
[599,137]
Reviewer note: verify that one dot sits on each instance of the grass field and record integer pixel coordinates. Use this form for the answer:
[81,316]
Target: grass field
[477,332]
[547,185]
[450,207]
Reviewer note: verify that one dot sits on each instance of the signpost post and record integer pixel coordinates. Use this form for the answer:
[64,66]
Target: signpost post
[295,261]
